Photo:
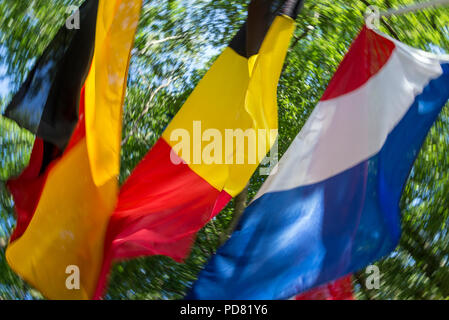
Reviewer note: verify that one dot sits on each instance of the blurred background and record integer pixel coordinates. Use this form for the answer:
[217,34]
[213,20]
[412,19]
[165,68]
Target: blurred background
[176,42]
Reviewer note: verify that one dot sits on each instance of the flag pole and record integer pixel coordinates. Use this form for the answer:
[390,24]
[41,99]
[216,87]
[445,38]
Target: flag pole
[373,15]
[414,8]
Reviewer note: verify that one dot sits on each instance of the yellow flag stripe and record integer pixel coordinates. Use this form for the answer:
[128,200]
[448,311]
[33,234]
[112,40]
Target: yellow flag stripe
[116,26]
[67,229]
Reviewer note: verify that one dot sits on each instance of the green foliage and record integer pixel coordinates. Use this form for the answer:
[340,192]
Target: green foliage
[176,42]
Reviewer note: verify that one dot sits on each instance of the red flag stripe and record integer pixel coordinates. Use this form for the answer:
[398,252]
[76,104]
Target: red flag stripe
[156,214]
[368,63]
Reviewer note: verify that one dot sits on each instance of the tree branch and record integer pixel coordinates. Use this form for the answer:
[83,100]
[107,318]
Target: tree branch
[156,42]
[302,36]
[239,208]
[147,108]
[305,32]
[418,248]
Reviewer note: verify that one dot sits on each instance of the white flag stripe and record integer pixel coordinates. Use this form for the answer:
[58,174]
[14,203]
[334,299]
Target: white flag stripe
[347,130]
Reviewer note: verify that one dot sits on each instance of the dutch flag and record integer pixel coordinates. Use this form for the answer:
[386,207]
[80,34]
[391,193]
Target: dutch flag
[332,207]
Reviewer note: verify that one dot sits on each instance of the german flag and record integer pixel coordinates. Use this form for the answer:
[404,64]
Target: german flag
[72,99]
[174,191]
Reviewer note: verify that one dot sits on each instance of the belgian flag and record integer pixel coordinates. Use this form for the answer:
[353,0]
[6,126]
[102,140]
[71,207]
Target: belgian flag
[171,195]
[72,100]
